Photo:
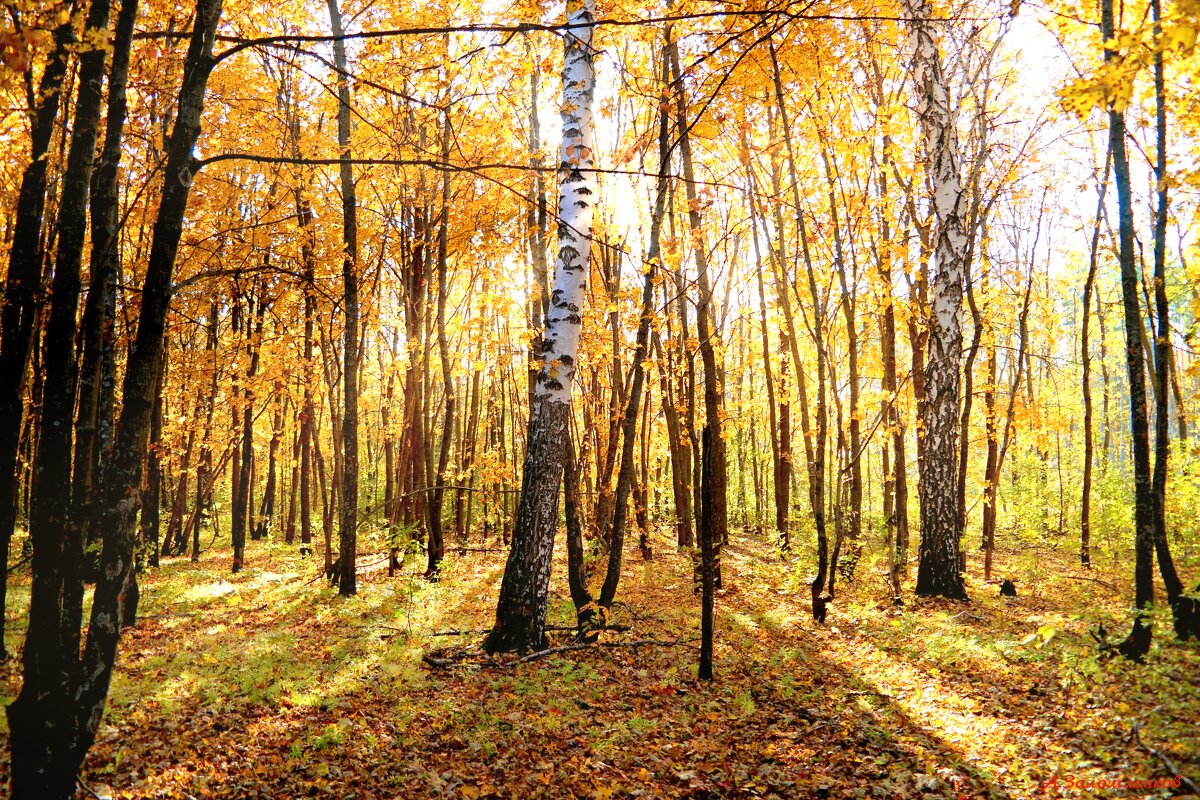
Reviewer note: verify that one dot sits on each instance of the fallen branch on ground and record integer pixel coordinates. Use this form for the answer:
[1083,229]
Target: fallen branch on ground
[572,628]
[1167,763]
[471,632]
[617,628]
[1105,584]
[637,643]
[444,663]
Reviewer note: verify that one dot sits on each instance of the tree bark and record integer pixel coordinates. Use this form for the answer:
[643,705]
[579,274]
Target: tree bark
[96,374]
[53,722]
[348,543]
[1137,644]
[633,401]
[941,523]
[713,466]
[436,544]
[521,608]
[1085,500]
[21,287]
[1186,610]
[815,452]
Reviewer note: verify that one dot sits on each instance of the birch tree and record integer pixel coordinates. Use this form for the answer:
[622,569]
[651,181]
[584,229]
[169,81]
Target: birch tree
[941,524]
[521,609]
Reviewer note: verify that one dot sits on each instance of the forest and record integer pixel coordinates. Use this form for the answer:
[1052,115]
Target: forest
[676,398]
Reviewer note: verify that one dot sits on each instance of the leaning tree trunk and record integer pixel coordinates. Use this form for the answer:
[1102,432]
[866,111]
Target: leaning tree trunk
[521,609]
[54,724]
[941,524]
[625,474]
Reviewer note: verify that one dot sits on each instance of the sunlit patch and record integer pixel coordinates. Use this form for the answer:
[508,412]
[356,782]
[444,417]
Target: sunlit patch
[208,591]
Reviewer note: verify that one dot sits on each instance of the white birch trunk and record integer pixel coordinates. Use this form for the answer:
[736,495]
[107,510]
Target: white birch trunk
[941,524]
[521,610]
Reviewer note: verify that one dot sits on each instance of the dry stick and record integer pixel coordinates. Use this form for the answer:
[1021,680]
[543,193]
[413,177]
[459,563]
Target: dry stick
[638,643]
[477,631]
[87,788]
[448,662]
[1105,584]
[1162,759]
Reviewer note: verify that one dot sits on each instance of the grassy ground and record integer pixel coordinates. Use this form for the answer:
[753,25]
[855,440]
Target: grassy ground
[267,685]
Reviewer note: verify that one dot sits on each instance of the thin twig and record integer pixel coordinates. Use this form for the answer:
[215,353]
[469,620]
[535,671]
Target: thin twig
[19,564]
[1105,584]
[569,647]
[618,628]
[88,789]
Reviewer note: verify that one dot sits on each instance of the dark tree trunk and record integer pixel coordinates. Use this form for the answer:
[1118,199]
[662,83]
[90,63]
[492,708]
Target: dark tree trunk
[895,489]
[152,492]
[633,403]
[815,453]
[56,595]
[1085,501]
[589,618]
[713,475]
[778,414]
[96,370]
[349,513]
[1136,645]
[436,541]
[21,287]
[54,722]
[206,475]
[1186,610]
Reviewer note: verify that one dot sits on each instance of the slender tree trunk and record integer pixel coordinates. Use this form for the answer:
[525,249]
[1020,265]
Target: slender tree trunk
[589,618]
[996,454]
[1186,610]
[633,402]
[816,451]
[436,544]
[1085,500]
[780,422]
[849,305]
[206,476]
[152,492]
[1137,643]
[349,511]
[713,474]
[895,479]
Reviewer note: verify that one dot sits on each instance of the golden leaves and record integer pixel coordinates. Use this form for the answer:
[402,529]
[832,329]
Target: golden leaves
[1111,84]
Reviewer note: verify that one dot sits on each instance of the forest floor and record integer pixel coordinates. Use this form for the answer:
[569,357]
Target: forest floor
[265,684]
